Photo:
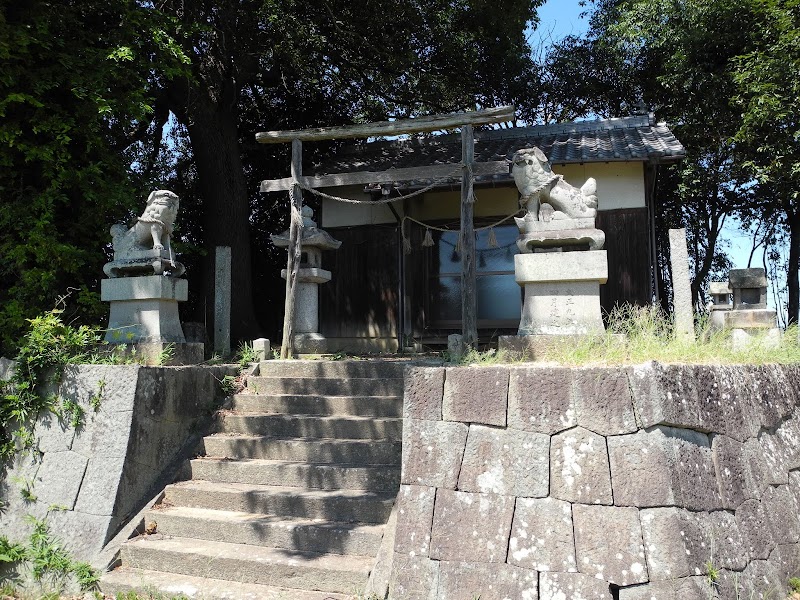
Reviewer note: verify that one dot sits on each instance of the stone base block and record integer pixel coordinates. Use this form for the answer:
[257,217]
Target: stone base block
[144,309]
[311,343]
[166,353]
[742,339]
[750,319]
[538,348]
[562,292]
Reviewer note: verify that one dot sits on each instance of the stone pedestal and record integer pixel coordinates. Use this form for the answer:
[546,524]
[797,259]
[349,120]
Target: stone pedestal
[144,309]
[562,292]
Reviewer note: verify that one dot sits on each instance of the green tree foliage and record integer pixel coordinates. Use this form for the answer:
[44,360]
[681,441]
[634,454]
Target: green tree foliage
[768,86]
[278,64]
[71,97]
[677,58]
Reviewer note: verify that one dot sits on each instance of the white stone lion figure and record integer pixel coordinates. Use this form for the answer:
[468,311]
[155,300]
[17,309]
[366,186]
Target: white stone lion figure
[545,194]
[152,230]
[146,245]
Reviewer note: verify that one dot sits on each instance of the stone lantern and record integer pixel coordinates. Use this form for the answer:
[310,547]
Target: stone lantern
[307,339]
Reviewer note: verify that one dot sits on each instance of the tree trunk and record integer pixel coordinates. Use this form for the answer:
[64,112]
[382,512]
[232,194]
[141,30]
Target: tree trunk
[226,211]
[792,282]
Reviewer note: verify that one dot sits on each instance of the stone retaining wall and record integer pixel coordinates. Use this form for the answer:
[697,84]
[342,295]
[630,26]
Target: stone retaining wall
[89,482]
[598,483]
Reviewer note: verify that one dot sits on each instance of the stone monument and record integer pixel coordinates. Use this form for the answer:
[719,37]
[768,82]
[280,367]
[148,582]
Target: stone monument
[144,284]
[307,339]
[748,317]
[562,263]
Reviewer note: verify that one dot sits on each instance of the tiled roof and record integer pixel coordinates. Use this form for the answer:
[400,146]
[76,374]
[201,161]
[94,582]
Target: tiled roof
[610,140]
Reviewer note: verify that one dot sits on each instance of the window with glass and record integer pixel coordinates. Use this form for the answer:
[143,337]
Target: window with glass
[499,298]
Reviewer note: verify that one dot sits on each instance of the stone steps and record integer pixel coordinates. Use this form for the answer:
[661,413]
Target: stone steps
[305,426]
[248,564]
[125,579]
[377,478]
[337,505]
[361,406]
[355,452]
[255,529]
[339,369]
[359,386]
[291,497]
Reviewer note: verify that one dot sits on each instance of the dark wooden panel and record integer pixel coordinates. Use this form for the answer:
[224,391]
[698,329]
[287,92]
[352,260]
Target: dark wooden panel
[362,298]
[627,244]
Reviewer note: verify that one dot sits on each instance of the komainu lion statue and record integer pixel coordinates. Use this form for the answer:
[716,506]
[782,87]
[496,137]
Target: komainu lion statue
[146,245]
[546,195]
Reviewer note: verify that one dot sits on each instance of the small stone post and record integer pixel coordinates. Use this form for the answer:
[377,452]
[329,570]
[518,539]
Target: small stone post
[222,301]
[681,285]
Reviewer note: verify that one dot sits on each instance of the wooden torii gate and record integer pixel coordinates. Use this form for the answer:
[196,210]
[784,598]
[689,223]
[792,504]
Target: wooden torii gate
[469,168]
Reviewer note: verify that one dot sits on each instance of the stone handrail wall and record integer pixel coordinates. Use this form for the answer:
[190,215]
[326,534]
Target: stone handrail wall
[634,483]
[100,474]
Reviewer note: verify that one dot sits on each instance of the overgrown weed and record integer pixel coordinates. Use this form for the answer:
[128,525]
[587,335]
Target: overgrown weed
[640,334]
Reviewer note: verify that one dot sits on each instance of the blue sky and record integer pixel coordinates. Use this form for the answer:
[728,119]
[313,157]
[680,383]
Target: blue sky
[562,18]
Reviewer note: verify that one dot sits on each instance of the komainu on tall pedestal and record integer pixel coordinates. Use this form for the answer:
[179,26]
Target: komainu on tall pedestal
[562,264]
[144,284]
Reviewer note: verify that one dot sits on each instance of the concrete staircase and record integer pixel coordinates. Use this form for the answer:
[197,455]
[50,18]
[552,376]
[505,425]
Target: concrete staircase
[291,495]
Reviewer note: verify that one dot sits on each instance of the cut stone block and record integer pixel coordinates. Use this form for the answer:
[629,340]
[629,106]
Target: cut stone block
[424,389]
[757,529]
[572,586]
[432,452]
[59,478]
[663,466]
[540,399]
[471,527]
[738,472]
[782,511]
[604,401]
[774,459]
[505,461]
[414,520]
[579,470]
[608,543]
[542,536]
[466,581]
[476,395]
[687,588]
[675,543]
[414,578]
[699,397]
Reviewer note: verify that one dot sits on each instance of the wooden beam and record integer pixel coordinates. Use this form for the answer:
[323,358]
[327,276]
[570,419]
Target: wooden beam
[500,114]
[295,250]
[469,310]
[498,167]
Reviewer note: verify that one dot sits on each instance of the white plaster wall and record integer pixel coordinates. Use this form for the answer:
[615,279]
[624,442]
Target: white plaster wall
[619,185]
[341,214]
